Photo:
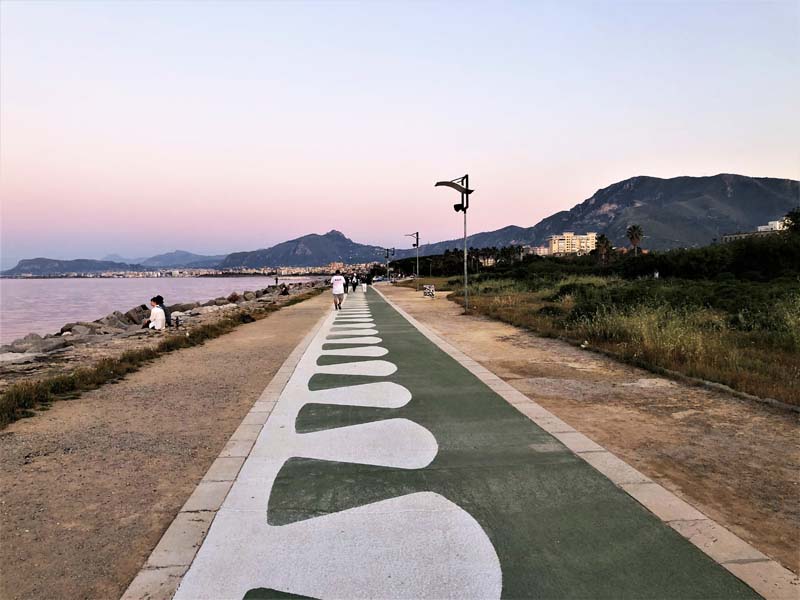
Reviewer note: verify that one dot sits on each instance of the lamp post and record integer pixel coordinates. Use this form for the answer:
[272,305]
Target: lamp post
[415,235]
[461,185]
[387,252]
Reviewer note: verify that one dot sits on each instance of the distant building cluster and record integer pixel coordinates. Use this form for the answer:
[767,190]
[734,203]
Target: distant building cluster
[769,229]
[567,243]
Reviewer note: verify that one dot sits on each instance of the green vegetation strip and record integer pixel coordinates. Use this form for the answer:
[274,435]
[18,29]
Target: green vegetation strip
[21,398]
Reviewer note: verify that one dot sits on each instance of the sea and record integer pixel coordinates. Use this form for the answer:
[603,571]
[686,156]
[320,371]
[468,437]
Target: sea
[45,305]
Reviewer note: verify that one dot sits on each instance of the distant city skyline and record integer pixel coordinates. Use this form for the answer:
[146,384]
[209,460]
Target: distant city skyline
[139,128]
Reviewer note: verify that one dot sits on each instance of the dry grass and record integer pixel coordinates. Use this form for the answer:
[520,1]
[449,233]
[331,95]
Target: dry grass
[697,342]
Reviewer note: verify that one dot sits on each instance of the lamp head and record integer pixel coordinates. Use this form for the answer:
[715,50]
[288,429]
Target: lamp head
[458,207]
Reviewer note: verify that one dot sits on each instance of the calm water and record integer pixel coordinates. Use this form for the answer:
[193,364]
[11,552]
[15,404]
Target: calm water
[45,305]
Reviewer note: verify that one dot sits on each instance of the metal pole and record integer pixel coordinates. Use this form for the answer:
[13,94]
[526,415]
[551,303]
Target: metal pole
[466,290]
[418,261]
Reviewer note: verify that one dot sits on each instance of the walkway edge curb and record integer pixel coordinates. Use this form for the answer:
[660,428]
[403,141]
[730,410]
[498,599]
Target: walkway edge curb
[163,571]
[767,577]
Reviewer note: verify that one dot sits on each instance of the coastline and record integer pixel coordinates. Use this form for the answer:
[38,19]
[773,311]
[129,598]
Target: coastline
[119,336]
[90,485]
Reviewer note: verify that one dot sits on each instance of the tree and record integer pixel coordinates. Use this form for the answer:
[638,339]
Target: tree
[792,221]
[635,235]
[603,248]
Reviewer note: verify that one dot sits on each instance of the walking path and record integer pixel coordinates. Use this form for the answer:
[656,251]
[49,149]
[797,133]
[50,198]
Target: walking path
[389,465]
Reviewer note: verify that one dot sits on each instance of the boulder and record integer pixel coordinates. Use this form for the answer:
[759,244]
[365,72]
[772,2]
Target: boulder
[37,344]
[182,307]
[221,301]
[249,295]
[81,330]
[115,319]
[234,297]
[259,293]
[138,314]
[209,303]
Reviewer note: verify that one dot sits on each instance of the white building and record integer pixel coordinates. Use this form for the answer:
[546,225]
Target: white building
[570,243]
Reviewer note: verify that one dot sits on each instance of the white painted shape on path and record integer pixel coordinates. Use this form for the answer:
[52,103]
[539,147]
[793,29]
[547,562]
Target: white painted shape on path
[372,368]
[352,326]
[397,443]
[356,340]
[372,351]
[415,546]
[354,332]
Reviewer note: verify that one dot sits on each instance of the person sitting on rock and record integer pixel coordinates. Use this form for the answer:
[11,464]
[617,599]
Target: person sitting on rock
[158,319]
[167,316]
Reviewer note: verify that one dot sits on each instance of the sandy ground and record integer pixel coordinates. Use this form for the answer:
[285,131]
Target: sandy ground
[88,487]
[735,460]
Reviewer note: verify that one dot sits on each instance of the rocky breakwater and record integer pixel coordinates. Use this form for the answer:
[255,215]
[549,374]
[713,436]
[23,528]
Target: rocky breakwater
[83,343]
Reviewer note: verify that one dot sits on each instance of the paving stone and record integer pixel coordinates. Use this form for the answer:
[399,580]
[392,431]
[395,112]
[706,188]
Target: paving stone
[664,504]
[256,417]
[615,469]
[716,541]
[246,432]
[577,442]
[768,578]
[237,448]
[154,584]
[207,496]
[179,543]
[553,425]
[224,469]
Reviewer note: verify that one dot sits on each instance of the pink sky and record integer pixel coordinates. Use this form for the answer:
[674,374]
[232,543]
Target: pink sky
[144,127]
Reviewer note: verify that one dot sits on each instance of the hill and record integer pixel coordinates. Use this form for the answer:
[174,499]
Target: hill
[674,213]
[42,267]
[181,258]
[307,251]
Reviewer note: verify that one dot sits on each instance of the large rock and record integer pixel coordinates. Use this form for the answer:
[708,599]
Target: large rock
[249,295]
[35,343]
[115,319]
[182,307]
[221,301]
[138,314]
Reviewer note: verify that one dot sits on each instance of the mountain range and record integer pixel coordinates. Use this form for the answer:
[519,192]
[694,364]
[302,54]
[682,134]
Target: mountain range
[676,212]
[177,258]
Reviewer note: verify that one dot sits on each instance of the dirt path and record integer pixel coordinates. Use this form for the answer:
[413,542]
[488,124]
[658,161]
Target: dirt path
[89,486]
[735,460]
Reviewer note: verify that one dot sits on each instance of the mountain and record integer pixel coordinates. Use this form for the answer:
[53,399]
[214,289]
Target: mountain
[177,258]
[181,258]
[677,212]
[122,259]
[307,251]
[49,266]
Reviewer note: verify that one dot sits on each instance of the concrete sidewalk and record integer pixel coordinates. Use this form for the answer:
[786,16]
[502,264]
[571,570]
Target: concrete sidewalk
[382,463]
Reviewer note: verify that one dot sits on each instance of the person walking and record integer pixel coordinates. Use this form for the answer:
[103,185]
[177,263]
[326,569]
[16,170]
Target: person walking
[353,282]
[363,279]
[339,285]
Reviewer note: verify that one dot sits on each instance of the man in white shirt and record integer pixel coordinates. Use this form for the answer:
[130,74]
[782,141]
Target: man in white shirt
[157,320]
[338,283]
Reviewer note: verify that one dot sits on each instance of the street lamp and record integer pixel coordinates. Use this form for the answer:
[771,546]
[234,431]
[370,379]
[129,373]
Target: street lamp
[387,252]
[461,185]
[415,235]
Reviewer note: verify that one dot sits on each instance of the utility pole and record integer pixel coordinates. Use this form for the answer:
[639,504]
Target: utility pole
[461,185]
[386,254]
[415,235]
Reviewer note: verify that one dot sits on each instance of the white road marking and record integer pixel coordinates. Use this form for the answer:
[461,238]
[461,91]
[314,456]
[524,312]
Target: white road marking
[413,546]
[372,351]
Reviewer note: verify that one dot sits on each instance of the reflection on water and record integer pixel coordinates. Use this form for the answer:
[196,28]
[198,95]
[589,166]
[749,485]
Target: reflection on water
[45,305]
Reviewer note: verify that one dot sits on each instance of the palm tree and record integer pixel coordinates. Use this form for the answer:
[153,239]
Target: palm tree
[635,235]
[603,248]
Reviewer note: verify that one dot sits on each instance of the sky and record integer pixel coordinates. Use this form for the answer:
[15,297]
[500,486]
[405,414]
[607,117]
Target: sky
[140,127]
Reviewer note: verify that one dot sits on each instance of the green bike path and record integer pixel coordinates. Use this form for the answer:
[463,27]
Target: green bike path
[387,469]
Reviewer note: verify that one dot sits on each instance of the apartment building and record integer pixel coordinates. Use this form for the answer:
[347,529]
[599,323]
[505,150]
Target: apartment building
[571,243]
